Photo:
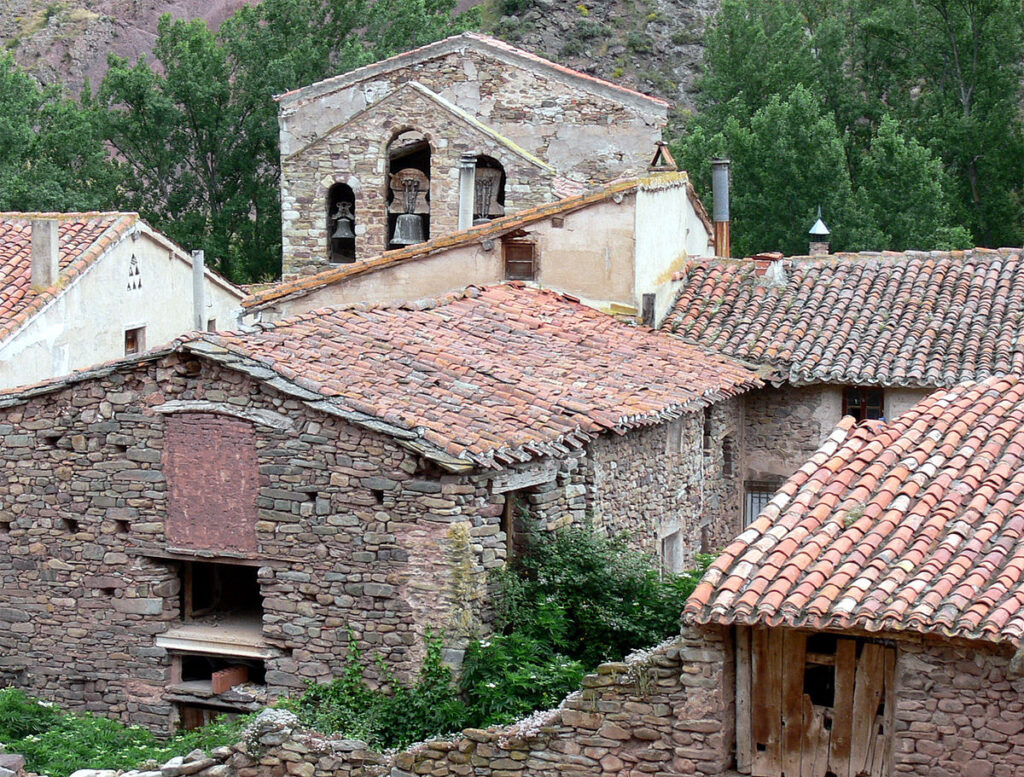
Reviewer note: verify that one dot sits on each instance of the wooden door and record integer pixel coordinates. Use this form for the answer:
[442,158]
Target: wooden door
[811,705]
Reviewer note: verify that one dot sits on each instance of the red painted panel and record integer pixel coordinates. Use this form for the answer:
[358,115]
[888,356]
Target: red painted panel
[212,482]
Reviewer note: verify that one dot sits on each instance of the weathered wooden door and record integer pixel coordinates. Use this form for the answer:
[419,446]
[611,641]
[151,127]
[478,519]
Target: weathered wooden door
[812,705]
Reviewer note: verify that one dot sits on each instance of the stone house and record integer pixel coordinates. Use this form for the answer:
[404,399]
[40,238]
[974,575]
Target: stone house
[433,140]
[872,613]
[865,335]
[616,248]
[228,508]
[77,289]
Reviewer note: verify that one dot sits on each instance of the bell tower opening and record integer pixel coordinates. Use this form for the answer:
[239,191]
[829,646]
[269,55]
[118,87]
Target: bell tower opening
[408,192]
[341,223]
[489,202]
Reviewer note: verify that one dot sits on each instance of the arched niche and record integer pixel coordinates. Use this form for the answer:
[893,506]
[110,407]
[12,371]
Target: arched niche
[341,224]
[408,189]
[489,199]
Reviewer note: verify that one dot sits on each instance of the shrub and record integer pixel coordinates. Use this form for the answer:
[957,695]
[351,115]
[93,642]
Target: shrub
[509,676]
[350,707]
[590,597]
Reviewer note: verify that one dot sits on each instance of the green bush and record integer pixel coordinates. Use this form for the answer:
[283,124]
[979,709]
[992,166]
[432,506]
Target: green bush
[350,707]
[590,597]
[57,743]
[509,676]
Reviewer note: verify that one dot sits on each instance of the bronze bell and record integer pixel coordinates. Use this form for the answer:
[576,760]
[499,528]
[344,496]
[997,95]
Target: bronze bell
[344,230]
[408,229]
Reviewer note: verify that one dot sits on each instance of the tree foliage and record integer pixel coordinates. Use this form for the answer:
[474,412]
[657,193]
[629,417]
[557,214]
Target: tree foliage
[921,97]
[52,154]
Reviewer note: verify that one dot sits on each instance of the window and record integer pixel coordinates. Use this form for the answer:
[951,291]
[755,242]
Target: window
[220,592]
[515,523]
[708,435]
[520,260]
[341,222]
[211,325]
[728,456]
[757,495]
[134,340]
[672,552]
[863,403]
[674,438]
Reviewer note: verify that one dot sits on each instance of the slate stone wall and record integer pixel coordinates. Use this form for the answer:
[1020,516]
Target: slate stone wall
[663,479]
[351,532]
[783,427]
[959,711]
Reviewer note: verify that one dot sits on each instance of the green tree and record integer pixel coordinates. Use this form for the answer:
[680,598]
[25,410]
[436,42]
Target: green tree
[53,156]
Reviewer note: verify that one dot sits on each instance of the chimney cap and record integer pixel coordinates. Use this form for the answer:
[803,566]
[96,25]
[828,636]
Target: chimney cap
[819,229]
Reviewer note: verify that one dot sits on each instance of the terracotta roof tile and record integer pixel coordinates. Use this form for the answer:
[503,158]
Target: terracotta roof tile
[490,375]
[931,541]
[909,319]
[84,237]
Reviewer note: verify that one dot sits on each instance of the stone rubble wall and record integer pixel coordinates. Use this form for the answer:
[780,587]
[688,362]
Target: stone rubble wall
[351,532]
[959,711]
[664,711]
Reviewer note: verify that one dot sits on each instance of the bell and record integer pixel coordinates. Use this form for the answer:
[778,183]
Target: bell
[408,230]
[344,230]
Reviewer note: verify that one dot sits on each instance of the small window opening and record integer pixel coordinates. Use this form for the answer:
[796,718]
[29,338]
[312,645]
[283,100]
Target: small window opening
[341,224]
[863,403]
[50,439]
[674,439]
[378,495]
[728,456]
[211,325]
[515,523]
[134,340]
[672,552]
[70,525]
[757,495]
[121,526]
[820,684]
[708,435]
[222,672]
[193,716]
[119,448]
[108,592]
[520,260]
[5,527]
[220,592]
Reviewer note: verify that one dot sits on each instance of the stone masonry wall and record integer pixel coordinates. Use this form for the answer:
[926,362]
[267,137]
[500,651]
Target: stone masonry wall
[356,155]
[661,479]
[959,711]
[783,427]
[664,712]
[352,532]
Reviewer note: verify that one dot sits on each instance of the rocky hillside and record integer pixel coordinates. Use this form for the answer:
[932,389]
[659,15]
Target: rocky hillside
[651,45]
[67,42]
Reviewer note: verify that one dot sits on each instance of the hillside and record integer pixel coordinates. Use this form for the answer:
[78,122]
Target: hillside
[67,42]
[651,45]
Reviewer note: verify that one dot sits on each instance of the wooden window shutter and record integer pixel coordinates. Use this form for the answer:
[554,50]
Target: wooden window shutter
[520,261]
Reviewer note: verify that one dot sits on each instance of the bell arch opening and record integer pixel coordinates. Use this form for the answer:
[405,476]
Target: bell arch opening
[408,189]
[341,224]
[489,199]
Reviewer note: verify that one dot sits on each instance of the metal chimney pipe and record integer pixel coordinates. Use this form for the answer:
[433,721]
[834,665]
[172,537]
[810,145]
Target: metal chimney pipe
[720,211]
[198,290]
[467,189]
[45,252]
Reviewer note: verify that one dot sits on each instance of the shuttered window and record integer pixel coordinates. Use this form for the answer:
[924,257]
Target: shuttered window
[520,262]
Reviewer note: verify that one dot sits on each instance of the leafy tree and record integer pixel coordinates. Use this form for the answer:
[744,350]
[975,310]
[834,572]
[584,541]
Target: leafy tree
[929,87]
[53,156]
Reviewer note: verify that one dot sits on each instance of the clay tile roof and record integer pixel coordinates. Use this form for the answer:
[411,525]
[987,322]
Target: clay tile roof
[487,376]
[262,296]
[892,319]
[84,237]
[912,525]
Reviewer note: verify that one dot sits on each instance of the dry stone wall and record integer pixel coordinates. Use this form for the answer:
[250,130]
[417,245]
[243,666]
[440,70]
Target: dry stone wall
[351,532]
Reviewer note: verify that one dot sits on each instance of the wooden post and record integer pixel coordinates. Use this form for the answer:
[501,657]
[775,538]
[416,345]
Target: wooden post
[743,690]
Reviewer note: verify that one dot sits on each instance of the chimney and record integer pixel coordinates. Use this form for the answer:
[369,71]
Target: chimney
[819,237]
[720,211]
[467,189]
[198,290]
[45,252]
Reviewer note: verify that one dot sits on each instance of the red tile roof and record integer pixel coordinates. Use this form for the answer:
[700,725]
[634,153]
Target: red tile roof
[262,296]
[488,376]
[892,319]
[912,525]
[84,237]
